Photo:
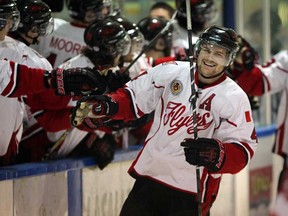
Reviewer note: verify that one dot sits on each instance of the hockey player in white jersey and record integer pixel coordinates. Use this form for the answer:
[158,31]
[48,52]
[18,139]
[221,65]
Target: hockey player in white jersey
[12,112]
[18,51]
[165,182]
[270,77]
[106,41]
[16,81]
[66,41]
[35,21]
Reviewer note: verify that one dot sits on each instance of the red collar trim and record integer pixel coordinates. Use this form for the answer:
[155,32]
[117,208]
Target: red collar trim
[221,79]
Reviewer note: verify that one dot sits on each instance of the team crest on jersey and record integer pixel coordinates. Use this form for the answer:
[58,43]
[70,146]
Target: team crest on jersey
[176,87]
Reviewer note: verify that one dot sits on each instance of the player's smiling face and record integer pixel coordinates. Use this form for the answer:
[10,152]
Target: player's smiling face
[211,61]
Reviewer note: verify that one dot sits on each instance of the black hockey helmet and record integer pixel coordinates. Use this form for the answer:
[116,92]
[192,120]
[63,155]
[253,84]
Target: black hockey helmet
[35,16]
[78,8]
[151,27]
[8,10]
[202,11]
[219,36]
[107,36]
[137,38]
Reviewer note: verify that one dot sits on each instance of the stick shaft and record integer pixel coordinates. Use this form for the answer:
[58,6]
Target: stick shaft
[192,99]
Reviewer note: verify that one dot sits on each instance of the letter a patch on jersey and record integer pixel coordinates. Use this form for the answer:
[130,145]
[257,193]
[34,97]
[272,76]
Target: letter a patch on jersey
[248,116]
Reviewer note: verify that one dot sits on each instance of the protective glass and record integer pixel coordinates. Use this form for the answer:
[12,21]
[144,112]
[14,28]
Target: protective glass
[220,55]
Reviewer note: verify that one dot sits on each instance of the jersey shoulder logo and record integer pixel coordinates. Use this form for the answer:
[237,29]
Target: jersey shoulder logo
[176,87]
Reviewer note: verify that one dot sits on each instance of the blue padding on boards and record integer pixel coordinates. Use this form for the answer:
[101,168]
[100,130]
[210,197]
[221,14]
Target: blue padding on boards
[74,192]
[40,168]
[265,131]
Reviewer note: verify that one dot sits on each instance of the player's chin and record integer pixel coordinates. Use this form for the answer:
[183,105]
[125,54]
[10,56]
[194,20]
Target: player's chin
[206,70]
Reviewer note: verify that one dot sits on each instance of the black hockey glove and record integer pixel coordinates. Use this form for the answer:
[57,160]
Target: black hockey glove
[204,152]
[76,81]
[117,80]
[97,107]
[246,58]
[103,150]
[248,54]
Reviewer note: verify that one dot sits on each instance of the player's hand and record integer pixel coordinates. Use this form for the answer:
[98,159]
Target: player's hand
[98,107]
[77,81]
[209,153]
[245,59]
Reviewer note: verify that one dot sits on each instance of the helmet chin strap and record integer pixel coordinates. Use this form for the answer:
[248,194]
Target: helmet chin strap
[214,76]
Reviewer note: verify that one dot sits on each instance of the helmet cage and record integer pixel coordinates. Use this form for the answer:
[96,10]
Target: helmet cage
[43,28]
[79,8]
[108,37]
[9,11]
[220,41]
[137,41]
[137,38]
[151,27]
[121,47]
[204,12]
[36,17]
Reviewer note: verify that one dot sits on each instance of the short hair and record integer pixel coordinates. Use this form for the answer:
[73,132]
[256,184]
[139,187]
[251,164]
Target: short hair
[163,5]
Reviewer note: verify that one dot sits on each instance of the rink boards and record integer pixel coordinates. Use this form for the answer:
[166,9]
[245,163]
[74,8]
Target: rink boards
[75,187]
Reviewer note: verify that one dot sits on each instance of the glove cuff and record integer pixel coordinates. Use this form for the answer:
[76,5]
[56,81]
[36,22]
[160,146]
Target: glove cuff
[57,81]
[221,157]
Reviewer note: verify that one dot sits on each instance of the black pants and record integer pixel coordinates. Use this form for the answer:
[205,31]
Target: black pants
[149,198]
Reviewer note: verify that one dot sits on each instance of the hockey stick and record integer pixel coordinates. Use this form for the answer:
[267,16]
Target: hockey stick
[193,99]
[162,32]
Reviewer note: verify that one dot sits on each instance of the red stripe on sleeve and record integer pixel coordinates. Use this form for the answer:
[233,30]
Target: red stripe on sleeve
[247,116]
[126,111]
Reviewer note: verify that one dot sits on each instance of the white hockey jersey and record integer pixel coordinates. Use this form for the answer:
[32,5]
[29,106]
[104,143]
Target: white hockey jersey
[276,80]
[65,42]
[13,111]
[223,113]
